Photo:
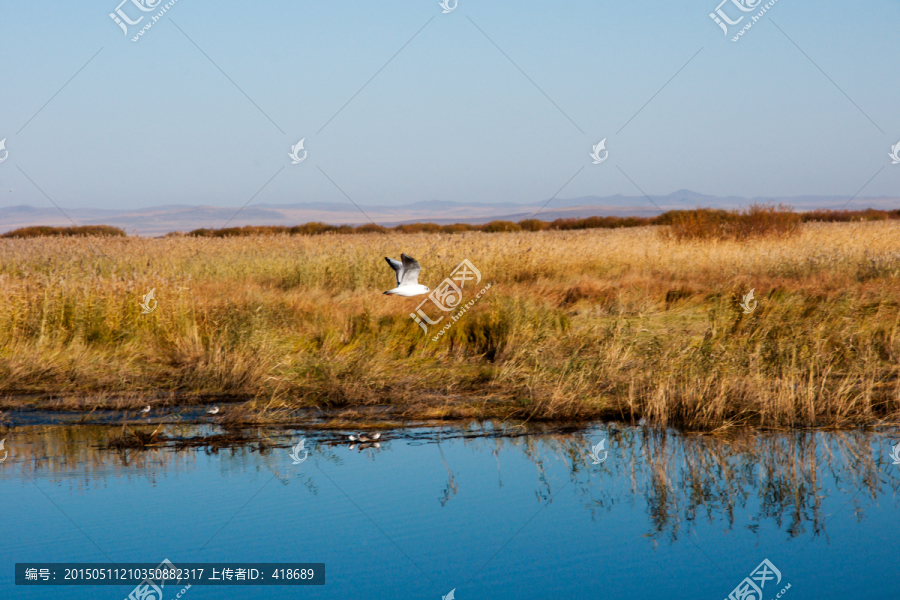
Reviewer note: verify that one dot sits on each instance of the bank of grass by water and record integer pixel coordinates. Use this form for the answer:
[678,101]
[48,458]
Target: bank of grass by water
[599,323]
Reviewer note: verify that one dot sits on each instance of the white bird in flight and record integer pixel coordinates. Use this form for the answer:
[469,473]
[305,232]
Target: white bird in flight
[214,410]
[362,438]
[407,277]
[146,409]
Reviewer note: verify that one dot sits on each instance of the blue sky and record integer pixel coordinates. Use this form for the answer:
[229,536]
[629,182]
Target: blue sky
[450,117]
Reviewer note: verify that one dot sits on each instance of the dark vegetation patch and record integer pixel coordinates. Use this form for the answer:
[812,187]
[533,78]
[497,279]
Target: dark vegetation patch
[86,230]
[699,223]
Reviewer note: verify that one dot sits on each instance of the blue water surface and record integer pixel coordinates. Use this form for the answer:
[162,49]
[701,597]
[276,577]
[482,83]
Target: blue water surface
[516,514]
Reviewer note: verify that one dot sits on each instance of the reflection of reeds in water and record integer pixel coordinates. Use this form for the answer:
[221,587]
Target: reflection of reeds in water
[99,450]
[136,438]
[775,479]
[63,451]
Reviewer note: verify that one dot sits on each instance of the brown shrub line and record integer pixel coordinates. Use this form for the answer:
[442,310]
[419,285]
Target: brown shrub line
[85,230]
[698,223]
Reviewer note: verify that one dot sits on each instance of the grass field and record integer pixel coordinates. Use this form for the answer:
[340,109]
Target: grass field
[617,323]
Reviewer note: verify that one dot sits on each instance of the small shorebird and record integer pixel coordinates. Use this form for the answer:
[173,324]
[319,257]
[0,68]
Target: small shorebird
[146,409]
[214,410]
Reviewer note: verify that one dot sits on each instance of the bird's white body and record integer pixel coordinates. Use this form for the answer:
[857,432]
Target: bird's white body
[407,277]
[408,290]
[146,409]
[214,410]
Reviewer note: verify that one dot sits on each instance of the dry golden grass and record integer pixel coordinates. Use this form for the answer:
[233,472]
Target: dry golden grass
[620,323]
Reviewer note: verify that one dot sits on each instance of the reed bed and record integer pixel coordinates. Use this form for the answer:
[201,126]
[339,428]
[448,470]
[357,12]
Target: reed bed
[612,323]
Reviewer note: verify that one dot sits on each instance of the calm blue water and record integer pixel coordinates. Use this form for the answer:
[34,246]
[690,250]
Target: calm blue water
[527,517]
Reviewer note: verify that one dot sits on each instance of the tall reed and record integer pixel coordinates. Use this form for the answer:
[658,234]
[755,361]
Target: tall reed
[616,323]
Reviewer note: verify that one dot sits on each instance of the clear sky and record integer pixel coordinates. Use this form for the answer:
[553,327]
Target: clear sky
[449,117]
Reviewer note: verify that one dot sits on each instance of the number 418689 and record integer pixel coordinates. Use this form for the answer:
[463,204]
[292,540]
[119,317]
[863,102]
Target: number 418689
[292,574]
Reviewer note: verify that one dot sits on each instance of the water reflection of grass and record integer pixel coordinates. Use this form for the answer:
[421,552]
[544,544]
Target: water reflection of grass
[779,478]
[597,323]
[775,479]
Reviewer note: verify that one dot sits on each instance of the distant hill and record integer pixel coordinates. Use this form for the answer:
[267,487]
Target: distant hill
[159,220]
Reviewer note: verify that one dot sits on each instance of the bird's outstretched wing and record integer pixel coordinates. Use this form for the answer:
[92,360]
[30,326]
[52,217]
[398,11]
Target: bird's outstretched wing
[450,596]
[410,272]
[2,442]
[397,266]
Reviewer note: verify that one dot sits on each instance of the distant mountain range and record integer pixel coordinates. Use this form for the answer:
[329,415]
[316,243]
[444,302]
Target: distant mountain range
[159,220]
